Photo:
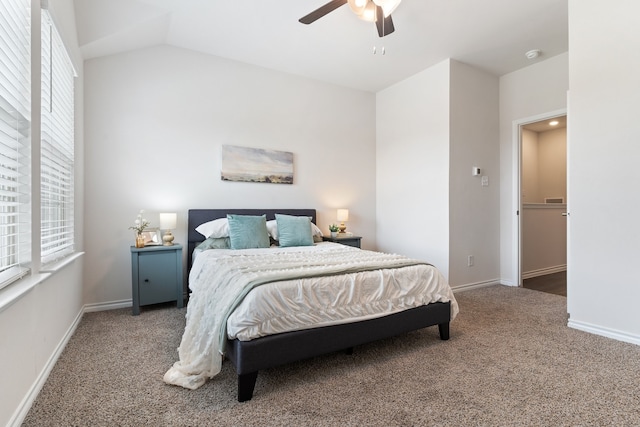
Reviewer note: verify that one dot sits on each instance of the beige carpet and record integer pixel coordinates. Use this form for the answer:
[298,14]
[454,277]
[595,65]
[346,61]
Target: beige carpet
[511,361]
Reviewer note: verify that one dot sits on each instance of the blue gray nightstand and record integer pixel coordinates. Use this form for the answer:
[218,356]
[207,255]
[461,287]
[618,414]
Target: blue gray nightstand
[347,240]
[156,275]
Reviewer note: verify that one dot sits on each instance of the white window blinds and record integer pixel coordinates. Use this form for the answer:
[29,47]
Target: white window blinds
[15,116]
[57,146]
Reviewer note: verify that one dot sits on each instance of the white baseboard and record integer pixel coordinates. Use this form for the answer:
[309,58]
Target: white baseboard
[113,305]
[103,306]
[476,285]
[604,332]
[32,394]
[543,271]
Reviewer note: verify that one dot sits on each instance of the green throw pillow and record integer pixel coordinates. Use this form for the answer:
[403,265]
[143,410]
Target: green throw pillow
[294,230]
[248,231]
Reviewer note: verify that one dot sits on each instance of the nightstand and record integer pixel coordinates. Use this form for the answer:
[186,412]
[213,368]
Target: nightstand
[156,275]
[348,240]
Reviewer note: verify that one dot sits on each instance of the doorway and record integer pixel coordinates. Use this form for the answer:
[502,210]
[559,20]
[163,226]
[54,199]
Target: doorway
[543,204]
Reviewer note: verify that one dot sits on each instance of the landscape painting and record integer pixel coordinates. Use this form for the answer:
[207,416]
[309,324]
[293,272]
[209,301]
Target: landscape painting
[243,164]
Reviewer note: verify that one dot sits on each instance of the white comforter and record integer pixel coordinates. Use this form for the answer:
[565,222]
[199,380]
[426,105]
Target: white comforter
[354,291]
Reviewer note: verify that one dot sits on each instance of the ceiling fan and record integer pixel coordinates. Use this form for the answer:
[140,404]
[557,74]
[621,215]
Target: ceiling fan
[378,11]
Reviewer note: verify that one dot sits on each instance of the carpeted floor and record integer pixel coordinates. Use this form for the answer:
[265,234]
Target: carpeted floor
[511,361]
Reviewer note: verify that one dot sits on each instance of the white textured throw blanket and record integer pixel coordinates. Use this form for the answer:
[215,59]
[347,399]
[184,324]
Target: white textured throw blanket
[219,285]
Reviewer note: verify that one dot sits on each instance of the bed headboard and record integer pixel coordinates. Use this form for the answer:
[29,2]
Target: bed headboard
[200,216]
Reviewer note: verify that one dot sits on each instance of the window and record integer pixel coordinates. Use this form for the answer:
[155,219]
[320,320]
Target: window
[55,151]
[57,146]
[15,125]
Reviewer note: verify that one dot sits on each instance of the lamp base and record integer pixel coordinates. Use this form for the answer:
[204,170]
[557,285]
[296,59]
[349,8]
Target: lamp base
[342,228]
[167,239]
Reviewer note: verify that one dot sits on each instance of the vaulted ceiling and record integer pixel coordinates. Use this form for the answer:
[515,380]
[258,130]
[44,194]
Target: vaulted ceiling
[489,34]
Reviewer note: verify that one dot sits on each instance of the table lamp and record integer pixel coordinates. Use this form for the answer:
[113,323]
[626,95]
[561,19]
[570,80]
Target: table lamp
[343,215]
[168,222]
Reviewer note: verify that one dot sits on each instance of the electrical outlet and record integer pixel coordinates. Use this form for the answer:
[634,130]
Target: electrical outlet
[470,261]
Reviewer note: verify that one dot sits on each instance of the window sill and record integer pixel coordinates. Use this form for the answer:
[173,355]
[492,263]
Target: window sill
[18,289]
[58,265]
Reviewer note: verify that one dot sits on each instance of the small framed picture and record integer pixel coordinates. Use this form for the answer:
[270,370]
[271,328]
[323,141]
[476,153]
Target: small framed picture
[152,237]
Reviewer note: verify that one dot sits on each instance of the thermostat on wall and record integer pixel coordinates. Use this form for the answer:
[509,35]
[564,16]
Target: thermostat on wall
[475,171]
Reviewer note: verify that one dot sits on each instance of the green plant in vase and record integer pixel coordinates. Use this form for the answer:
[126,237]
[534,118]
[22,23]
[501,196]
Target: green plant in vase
[139,226]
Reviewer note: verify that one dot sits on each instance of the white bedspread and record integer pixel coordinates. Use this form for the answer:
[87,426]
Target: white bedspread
[306,298]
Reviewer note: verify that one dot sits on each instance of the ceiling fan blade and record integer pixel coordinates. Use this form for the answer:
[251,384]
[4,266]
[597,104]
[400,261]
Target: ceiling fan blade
[385,25]
[321,11]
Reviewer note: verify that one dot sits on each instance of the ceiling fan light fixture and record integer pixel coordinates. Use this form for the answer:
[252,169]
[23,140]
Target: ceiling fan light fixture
[388,6]
[358,6]
[369,13]
[366,10]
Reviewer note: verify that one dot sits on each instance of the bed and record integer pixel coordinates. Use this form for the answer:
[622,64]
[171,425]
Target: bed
[249,356]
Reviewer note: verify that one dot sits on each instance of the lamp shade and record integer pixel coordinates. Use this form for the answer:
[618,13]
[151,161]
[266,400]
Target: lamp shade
[168,221]
[343,215]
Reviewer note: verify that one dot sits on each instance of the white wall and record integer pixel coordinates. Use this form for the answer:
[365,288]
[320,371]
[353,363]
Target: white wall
[552,166]
[33,332]
[155,122]
[532,91]
[412,167]
[35,326]
[530,183]
[544,165]
[474,215]
[544,229]
[603,282]
[544,239]
[431,129]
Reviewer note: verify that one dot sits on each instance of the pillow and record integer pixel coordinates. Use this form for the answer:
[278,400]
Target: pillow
[248,231]
[315,230]
[214,243]
[294,230]
[217,228]
[272,227]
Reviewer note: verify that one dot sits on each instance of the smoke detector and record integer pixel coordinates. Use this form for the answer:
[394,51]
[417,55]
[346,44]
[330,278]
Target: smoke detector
[533,54]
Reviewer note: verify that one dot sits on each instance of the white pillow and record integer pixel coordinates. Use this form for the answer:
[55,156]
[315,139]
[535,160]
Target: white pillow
[217,228]
[272,228]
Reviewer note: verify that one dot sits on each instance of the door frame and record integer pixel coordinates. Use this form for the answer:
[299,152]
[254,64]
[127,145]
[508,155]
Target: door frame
[517,186]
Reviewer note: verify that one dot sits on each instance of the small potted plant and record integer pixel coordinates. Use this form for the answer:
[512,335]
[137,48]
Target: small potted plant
[333,228]
[139,226]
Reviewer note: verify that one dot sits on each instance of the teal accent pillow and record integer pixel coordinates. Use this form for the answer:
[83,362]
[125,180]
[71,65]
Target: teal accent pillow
[214,243]
[294,230]
[248,231]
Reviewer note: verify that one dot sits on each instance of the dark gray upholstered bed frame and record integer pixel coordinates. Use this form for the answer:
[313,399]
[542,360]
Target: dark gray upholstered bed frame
[249,357]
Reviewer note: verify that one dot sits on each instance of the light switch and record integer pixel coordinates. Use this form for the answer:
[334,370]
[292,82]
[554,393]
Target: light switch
[485,181]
